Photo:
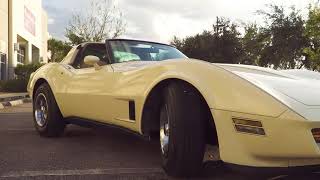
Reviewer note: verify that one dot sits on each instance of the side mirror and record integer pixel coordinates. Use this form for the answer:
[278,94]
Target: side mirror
[92,61]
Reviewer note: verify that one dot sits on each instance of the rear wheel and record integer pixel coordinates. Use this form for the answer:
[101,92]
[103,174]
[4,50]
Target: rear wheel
[48,120]
[182,130]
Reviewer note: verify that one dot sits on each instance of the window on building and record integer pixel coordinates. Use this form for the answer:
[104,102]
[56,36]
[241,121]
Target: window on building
[21,55]
[3,61]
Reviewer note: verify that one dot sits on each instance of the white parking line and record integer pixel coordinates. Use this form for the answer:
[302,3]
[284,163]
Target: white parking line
[17,129]
[114,171]
[278,177]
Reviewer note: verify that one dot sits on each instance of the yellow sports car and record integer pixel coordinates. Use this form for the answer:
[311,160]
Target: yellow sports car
[258,117]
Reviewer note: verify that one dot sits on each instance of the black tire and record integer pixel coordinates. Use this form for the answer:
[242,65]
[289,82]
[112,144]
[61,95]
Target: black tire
[184,110]
[53,124]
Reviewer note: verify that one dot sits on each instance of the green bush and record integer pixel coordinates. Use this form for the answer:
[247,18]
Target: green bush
[19,84]
[14,85]
[24,71]
[1,86]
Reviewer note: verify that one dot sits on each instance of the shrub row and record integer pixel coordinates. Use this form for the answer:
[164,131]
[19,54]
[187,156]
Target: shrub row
[19,84]
[14,85]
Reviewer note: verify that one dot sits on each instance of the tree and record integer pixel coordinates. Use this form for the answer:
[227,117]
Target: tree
[228,47]
[312,51]
[221,44]
[284,41]
[252,42]
[102,20]
[58,49]
[176,42]
[283,38]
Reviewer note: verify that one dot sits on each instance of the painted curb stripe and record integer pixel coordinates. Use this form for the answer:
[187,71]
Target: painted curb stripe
[14,103]
[115,171]
[6,104]
[12,98]
[27,100]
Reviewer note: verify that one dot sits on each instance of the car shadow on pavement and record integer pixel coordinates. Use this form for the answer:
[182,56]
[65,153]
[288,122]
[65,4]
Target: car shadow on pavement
[217,170]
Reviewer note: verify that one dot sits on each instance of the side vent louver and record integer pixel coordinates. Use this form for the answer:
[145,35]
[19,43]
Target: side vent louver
[132,110]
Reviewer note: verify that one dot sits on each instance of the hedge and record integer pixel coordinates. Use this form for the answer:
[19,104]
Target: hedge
[19,84]
[24,71]
[14,85]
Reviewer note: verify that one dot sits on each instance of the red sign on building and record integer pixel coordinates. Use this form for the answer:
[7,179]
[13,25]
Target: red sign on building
[29,21]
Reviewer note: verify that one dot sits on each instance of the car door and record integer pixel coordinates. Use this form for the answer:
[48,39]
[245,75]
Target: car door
[90,89]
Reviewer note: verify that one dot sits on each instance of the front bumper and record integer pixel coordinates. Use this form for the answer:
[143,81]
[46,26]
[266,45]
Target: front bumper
[288,141]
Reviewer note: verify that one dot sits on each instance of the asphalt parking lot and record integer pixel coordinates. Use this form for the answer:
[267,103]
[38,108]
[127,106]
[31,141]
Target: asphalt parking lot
[84,153]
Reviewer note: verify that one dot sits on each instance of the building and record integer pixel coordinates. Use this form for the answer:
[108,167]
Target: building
[23,35]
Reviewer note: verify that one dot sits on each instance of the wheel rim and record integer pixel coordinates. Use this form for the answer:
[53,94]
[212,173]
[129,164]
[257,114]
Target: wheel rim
[164,131]
[41,109]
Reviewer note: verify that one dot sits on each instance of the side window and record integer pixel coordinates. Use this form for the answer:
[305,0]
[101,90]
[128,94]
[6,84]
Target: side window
[98,50]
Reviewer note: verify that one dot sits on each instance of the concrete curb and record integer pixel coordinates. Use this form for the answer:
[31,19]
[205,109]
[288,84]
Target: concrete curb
[14,103]
[13,97]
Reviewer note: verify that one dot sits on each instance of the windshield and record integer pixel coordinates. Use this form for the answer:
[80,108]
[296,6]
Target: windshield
[128,50]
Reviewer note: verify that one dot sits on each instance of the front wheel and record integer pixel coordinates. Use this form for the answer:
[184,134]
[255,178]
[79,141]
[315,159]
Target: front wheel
[48,120]
[182,130]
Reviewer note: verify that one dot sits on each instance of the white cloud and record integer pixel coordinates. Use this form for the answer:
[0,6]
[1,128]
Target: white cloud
[161,20]
[50,21]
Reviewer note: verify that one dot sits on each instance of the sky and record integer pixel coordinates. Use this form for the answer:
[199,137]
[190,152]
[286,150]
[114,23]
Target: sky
[160,20]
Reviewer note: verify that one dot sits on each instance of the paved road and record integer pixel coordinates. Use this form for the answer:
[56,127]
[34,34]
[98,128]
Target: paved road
[86,154]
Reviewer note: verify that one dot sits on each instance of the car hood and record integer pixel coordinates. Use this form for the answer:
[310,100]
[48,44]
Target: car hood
[300,85]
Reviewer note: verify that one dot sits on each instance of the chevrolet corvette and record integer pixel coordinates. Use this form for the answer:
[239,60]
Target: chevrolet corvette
[257,117]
